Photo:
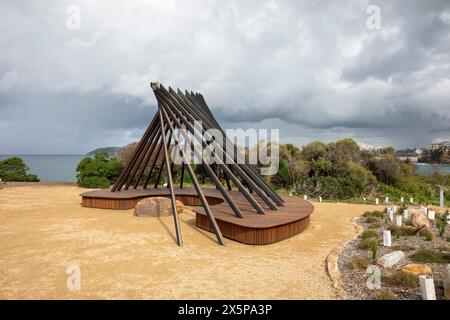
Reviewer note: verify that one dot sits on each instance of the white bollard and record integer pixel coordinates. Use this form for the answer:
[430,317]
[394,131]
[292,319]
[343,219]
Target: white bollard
[431,215]
[411,200]
[395,209]
[427,288]
[402,199]
[391,214]
[320,199]
[376,201]
[448,220]
[305,197]
[406,214]
[364,199]
[398,220]
[447,282]
[386,199]
[387,238]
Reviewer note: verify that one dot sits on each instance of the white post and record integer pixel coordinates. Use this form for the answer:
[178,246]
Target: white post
[391,214]
[376,201]
[395,209]
[431,215]
[320,199]
[427,288]
[447,282]
[387,238]
[386,199]
[305,197]
[441,199]
[411,200]
[402,199]
[398,220]
[406,214]
[364,199]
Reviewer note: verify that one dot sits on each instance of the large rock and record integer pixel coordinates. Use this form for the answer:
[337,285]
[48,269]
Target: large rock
[391,259]
[417,269]
[426,232]
[156,207]
[447,282]
[419,220]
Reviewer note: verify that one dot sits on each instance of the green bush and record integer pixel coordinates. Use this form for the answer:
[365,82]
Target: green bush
[401,231]
[98,172]
[360,262]
[430,256]
[386,295]
[377,214]
[369,234]
[367,244]
[14,169]
[402,279]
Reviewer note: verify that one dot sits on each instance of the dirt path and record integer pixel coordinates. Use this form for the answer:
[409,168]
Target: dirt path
[43,230]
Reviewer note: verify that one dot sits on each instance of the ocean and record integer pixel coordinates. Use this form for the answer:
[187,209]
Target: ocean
[51,167]
[63,167]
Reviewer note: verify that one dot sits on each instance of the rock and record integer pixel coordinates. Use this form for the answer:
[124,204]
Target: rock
[447,282]
[417,269]
[390,259]
[419,220]
[426,232]
[156,207]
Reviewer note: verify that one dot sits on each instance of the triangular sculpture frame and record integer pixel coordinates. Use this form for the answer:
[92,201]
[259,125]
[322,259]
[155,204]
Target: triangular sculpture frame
[178,110]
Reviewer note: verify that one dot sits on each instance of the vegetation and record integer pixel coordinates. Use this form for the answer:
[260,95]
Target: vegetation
[430,256]
[402,279]
[341,170]
[14,169]
[367,244]
[373,214]
[360,262]
[369,234]
[98,172]
[401,231]
[374,249]
[386,295]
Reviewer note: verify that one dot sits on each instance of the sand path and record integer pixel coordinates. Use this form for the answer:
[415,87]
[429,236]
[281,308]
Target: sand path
[43,230]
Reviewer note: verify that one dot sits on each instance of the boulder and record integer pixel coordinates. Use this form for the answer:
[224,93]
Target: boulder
[156,207]
[417,269]
[419,220]
[447,282]
[426,232]
[391,259]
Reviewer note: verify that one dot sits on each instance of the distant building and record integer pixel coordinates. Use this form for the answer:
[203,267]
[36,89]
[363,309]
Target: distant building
[441,145]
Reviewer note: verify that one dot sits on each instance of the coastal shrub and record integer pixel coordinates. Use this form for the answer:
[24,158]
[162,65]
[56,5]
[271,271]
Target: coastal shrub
[366,244]
[402,279]
[378,214]
[98,172]
[430,256]
[386,295]
[402,247]
[371,219]
[401,231]
[15,169]
[360,262]
[375,225]
[369,234]
[374,249]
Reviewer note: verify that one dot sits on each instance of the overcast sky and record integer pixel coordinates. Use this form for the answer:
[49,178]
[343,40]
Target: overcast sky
[313,69]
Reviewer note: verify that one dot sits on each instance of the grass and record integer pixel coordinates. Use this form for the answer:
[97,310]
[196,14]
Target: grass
[402,247]
[376,214]
[386,295]
[402,279]
[360,262]
[430,256]
[375,225]
[369,234]
[401,231]
[367,244]
[372,219]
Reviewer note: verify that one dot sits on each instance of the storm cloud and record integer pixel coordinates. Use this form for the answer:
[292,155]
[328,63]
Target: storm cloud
[312,69]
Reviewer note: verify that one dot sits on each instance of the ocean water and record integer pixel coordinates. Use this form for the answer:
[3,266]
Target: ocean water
[428,169]
[51,167]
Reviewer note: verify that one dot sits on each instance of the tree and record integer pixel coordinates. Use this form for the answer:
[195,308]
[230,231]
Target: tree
[14,169]
[313,151]
[98,172]
[343,150]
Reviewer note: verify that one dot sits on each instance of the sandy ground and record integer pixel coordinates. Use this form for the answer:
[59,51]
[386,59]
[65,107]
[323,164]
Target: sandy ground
[44,230]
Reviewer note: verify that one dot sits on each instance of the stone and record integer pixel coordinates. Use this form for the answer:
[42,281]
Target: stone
[391,259]
[417,269]
[427,288]
[431,215]
[426,232]
[387,238]
[447,282]
[156,207]
[419,220]
[398,220]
